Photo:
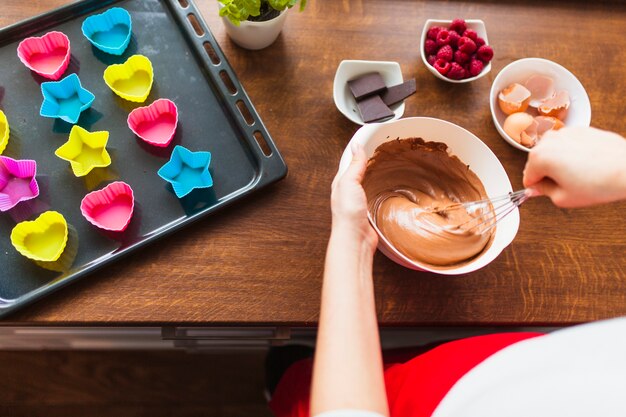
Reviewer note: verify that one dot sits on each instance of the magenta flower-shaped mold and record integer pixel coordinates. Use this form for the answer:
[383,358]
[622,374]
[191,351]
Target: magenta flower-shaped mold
[17,182]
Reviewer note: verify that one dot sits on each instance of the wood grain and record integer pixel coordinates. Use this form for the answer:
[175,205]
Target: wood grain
[153,383]
[261,261]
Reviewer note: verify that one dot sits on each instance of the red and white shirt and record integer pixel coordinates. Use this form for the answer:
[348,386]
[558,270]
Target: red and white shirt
[574,372]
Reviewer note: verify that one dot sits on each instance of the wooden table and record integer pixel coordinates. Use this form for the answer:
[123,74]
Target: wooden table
[260,261]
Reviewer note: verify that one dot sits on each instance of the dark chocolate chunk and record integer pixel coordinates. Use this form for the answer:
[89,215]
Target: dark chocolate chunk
[366,85]
[373,109]
[398,92]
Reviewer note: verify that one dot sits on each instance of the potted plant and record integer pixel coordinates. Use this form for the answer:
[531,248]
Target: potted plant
[255,24]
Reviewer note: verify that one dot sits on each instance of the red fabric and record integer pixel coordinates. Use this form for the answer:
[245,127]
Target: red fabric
[414,388]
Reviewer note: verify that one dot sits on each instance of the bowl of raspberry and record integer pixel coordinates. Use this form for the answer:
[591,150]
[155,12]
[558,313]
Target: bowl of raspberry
[456,51]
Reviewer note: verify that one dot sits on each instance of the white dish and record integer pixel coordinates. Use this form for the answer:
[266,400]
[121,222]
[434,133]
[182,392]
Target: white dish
[351,69]
[474,24]
[471,151]
[579,113]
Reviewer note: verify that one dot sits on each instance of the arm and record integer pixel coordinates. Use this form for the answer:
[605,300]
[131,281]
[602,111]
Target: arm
[348,369]
[578,167]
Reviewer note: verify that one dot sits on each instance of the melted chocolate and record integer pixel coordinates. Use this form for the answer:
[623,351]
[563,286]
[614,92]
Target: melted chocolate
[412,189]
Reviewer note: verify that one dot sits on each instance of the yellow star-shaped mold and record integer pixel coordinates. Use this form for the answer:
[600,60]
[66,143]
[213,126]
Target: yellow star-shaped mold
[85,150]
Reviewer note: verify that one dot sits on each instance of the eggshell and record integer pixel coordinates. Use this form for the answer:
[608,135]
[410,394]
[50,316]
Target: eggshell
[541,89]
[546,123]
[513,98]
[556,106]
[521,127]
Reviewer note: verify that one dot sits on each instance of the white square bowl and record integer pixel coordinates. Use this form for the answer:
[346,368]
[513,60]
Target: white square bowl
[349,70]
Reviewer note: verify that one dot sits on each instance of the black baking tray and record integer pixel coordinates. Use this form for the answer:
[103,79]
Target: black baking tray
[191,70]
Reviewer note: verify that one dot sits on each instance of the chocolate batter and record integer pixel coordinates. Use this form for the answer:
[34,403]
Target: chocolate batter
[409,183]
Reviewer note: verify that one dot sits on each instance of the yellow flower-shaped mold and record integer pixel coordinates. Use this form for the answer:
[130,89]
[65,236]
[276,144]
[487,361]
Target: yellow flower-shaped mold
[42,239]
[85,150]
[131,80]
[4,132]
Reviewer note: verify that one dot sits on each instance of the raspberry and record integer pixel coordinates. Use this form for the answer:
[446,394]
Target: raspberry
[466,45]
[456,72]
[433,32]
[445,53]
[485,53]
[443,37]
[458,25]
[430,47]
[431,59]
[469,33]
[466,67]
[442,66]
[476,67]
[454,38]
[461,57]
[480,42]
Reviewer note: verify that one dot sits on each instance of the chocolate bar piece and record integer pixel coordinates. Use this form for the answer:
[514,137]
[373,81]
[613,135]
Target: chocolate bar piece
[366,85]
[398,92]
[373,109]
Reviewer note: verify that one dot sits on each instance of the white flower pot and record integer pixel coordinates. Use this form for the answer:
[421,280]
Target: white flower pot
[255,35]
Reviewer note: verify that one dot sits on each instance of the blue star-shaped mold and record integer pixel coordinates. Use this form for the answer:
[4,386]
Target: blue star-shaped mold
[65,99]
[187,171]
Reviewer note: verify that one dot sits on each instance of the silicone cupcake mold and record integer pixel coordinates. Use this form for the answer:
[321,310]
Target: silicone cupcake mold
[85,150]
[17,182]
[42,239]
[66,260]
[110,31]
[65,99]
[156,123]
[131,80]
[187,171]
[4,132]
[48,55]
[110,208]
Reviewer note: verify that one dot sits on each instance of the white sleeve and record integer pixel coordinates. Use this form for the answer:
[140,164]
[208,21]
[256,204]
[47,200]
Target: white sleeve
[576,372]
[349,413]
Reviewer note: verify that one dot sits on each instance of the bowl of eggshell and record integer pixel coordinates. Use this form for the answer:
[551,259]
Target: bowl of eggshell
[532,96]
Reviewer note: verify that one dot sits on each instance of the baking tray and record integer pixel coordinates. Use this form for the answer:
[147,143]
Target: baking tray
[215,114]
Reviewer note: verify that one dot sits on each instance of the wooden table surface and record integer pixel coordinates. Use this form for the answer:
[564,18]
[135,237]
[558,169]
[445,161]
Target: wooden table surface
[260,261]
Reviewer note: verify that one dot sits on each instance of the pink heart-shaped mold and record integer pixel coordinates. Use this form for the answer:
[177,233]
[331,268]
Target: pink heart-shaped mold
[48,55]
[110,208]
[155,124]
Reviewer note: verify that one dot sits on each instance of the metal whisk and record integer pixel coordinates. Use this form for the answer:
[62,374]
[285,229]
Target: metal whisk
[492,210]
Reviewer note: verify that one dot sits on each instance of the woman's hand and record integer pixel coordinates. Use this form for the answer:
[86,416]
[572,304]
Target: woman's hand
[348,365]
[578,166]
[348,201]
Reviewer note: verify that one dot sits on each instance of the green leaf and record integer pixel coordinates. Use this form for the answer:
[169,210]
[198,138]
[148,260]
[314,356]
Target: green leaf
[239,10]
[281,5]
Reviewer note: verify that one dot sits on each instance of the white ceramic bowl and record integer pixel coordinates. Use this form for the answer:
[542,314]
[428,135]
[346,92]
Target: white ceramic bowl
[474,24]
[470,150]
[579,113]
[351,69]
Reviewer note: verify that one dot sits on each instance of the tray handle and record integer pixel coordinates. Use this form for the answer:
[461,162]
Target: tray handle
[249,122]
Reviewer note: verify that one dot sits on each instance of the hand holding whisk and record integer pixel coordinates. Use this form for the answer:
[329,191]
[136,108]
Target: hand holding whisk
[491,210]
